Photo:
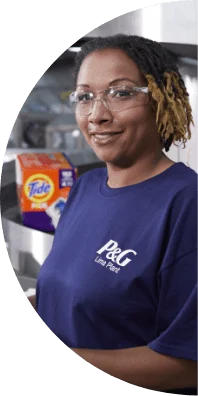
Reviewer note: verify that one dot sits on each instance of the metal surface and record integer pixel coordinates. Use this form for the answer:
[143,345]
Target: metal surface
[26,282]
[174,22]
[24,239]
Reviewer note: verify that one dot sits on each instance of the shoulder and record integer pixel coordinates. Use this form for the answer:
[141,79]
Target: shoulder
[83,189]
[181,184]
[88,182]
[184,203]
[187,194]
[183,211]
[177,201]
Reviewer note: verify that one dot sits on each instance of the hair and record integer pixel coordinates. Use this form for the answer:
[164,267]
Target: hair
[167,90]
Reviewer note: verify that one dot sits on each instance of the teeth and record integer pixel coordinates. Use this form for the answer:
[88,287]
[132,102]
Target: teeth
[103,136]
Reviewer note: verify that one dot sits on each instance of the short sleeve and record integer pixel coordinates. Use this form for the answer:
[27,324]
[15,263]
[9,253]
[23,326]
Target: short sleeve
[176,325]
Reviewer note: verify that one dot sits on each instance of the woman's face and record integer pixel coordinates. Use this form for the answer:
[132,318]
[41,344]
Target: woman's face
[135,128]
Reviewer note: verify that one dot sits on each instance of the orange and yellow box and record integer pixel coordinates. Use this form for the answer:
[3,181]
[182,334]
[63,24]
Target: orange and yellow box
[43,185]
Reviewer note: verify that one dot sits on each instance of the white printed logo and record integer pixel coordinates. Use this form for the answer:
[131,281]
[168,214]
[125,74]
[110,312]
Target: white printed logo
[115,254]
[67,173]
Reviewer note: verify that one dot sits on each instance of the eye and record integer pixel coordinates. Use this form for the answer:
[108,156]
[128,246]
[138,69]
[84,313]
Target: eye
[122,93]
[84,97]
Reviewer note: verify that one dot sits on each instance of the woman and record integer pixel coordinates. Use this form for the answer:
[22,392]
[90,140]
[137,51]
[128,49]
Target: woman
[119,285]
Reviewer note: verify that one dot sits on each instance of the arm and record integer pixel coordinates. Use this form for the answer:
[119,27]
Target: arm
[143,367]
[32,300]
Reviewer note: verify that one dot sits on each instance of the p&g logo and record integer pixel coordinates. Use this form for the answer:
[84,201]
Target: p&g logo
[115,254]
[39,188]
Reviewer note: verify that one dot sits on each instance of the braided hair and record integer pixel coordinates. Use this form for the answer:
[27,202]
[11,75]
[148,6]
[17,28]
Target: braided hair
[167,90]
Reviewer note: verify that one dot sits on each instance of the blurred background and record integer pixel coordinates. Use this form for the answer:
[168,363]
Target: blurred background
[46,123]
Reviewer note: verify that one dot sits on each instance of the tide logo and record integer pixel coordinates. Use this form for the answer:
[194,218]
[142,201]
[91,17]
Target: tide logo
[39,188]
[115,254]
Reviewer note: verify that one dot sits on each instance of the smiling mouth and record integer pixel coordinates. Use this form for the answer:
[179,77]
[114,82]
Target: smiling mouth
[102,138]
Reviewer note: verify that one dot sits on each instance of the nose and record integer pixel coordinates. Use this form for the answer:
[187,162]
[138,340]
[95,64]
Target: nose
[100,114]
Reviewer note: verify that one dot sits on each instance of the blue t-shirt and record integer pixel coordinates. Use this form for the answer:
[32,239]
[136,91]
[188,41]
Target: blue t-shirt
[123,267]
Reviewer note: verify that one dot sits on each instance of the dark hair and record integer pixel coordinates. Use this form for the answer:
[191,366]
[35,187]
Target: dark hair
[167,90]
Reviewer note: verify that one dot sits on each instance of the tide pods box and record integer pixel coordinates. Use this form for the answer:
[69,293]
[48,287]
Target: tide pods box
[43,185]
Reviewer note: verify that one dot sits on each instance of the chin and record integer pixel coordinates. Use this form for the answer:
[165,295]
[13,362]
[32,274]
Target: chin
[116,161]
[106,157]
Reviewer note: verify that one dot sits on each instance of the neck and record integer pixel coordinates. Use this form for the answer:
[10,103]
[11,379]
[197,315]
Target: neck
[138,171]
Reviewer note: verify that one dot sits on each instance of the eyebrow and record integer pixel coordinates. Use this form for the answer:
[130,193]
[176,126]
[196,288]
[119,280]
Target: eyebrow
[112,82]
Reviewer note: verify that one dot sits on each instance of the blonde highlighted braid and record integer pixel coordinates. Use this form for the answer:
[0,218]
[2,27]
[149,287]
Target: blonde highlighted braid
[173,110]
